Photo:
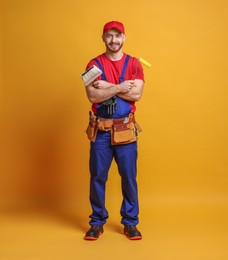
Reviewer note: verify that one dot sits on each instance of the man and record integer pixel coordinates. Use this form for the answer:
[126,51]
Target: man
[113,97]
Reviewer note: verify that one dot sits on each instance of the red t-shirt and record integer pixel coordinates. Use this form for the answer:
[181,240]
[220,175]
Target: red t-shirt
[113,69]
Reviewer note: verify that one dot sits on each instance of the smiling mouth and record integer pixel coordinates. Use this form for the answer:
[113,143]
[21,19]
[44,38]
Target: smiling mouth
[114,45]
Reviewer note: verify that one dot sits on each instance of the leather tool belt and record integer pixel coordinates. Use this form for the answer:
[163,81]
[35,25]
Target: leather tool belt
[123,130]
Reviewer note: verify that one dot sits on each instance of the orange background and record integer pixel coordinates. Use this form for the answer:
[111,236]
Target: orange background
[45,46]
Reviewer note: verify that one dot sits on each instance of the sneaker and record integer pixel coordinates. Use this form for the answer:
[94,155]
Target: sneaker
[132,233]
[94,232]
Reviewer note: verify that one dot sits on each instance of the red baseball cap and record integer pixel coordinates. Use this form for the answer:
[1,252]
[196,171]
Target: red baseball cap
[113,25]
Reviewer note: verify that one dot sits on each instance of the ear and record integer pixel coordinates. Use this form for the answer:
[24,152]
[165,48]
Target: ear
[103,37]
[124,37]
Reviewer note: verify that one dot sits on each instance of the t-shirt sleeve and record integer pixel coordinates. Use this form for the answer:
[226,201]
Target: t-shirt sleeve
[90,64]
[138,70]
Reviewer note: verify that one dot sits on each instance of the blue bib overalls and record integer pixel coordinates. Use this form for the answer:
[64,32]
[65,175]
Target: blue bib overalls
[101,156]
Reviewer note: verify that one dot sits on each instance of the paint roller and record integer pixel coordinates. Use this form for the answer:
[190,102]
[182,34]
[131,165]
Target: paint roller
[144,62]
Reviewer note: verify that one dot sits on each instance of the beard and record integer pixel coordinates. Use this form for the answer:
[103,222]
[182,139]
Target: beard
[109,47]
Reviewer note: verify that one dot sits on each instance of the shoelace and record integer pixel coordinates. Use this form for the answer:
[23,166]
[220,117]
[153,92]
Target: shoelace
[95,227]
[132,228]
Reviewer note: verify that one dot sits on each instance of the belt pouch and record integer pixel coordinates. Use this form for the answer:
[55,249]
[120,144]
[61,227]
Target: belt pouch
[123,133]
[91,131]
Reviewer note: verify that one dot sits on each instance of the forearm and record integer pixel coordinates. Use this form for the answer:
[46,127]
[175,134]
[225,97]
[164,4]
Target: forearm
[97,95]
[130,96]
[135,93]
[101,90]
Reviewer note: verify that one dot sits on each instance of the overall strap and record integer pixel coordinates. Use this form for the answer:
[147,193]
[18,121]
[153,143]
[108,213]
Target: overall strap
[103,76]
[124,69]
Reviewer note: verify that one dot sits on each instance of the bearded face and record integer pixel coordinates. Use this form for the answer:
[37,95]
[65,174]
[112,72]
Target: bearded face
[113,40]
[114,47]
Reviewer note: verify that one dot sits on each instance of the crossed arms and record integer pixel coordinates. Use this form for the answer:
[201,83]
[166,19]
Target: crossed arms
[100,90]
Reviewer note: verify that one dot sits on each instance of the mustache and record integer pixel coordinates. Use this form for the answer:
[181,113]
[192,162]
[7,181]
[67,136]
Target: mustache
[117,43]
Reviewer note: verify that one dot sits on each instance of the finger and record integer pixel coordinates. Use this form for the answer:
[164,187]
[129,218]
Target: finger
[95,84]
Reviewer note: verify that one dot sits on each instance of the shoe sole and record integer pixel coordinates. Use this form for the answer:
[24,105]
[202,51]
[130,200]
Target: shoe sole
[133,238]
[92,238]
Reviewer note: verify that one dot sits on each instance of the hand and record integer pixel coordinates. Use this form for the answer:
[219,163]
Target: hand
[100,84]
[126,86]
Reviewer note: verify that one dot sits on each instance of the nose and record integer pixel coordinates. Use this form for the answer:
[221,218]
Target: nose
[114,38]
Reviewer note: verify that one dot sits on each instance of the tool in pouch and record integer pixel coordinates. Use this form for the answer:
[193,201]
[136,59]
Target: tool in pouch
[91,130]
